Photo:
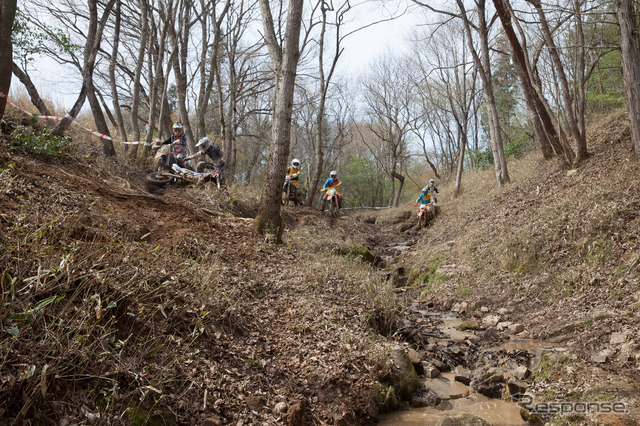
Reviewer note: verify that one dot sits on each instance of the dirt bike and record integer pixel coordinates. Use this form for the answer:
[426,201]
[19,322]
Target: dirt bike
[181,174]
[289,194]
[334,204]
[426,213]
[164,157]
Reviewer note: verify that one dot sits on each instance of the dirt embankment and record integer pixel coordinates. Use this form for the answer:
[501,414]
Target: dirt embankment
[120,305]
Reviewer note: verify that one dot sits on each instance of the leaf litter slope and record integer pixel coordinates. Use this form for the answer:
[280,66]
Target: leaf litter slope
[158,310]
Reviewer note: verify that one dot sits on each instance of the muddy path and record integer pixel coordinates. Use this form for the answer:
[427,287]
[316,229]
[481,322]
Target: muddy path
[472,362]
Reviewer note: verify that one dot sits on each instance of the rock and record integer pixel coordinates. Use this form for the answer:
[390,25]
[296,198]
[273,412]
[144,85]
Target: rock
[504,311]
[462,375]
[521,372]
[400,373]
[295,414]
[414,357]
[484,309]
[627,352]
[516,328]
[470,324]
[618,338]
[255,402]
[572,172]
[516,386]
[280,408]
[462,419]
[600,313]
[602,357]
[503,325]
[213,421]
[441,366]
[430,371]
[455,307]
[491,320]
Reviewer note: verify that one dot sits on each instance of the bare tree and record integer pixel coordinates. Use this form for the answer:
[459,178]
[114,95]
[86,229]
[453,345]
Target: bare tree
[7,14]
[580,145]
[630,66]
[284,59]
[389,95]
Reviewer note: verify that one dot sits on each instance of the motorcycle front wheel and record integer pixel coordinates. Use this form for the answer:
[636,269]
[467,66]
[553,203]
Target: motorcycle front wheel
[160,178]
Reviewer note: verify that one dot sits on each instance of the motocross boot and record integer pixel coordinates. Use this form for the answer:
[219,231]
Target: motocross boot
[323,205]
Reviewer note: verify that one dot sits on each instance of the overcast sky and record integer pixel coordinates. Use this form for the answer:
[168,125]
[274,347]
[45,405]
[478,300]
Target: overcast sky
[361,48]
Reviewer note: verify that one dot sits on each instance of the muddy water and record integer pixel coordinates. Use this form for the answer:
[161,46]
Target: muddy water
[459,398]
[494,411]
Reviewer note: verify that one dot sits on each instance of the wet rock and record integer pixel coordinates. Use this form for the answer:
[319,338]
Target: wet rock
[430,371]
[491,320]
[400,373]
[516,328]
[516,386]
[280,408]
[462,375]
[295,414]
[446,389]
[470,324]
[213,421]
[488,382]
[462,419]
[255,403]
[441,366]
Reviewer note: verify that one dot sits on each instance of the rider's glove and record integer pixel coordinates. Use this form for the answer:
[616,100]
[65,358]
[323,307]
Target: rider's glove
[415,205]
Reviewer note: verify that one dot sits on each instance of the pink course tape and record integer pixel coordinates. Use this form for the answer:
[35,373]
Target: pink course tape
[51,117]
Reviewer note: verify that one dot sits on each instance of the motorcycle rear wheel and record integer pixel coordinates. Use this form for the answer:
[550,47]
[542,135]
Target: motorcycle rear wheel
[160,178]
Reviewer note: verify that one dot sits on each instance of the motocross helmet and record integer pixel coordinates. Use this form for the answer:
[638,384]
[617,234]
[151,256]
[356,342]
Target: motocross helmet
[425,189]
[295,163]
[334,174]
[177,126]
[432,182]
[203,143]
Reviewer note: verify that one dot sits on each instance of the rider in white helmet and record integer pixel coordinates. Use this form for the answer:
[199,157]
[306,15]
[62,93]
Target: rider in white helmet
[205,147]
[333,181]
[293,175]
[432,189]
[178,142]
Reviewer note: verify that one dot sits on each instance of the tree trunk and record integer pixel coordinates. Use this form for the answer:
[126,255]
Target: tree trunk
[137,74]
[112,76]
[483,64]
[98,118]
[534,118]
[285,62]
[36,100]
[630,67]
[563,151]
[91,48]
[7,14]
[458,186]
[396,199]
[580,145]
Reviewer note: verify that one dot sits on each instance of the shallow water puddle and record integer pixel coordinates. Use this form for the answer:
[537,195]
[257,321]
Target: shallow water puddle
[494,411]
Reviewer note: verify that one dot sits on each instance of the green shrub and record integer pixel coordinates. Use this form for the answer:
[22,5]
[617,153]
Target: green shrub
[42,144]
